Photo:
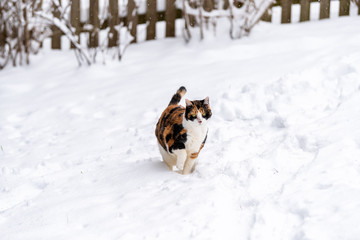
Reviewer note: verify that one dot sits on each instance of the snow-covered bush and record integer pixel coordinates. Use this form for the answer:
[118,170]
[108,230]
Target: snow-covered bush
[242,14]
[21,31]
[26,23]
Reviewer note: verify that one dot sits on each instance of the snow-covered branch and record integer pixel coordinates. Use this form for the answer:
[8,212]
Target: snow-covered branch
[242,18]
[20,31]
[66,30]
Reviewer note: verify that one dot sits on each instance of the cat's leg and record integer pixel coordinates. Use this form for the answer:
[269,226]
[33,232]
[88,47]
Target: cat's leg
[193,159]
[167,158]
[193,168]
[180,158]
[170,162]
[190,164]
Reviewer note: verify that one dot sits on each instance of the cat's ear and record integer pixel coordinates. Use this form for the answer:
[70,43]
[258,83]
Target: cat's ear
[188,102]
[206,101]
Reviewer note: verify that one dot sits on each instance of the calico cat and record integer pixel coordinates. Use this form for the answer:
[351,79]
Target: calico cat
[181,132]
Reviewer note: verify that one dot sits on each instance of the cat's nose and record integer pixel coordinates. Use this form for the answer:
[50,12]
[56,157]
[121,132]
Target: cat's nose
[199,121]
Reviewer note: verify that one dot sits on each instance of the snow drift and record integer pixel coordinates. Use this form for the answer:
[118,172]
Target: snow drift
[79,160]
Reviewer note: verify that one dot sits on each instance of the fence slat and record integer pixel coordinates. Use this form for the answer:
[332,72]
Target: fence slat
[267,16]
[94,21]
[285,11]
[151,17]
[2,36]
[75,18]
[304,10]
[192,18]
[344,7]
[113,21]
[56,33]
[132,19]
[324,9]
[208,5]
[170,15]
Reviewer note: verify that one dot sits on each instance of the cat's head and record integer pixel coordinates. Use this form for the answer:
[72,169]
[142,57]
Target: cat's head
[198,111]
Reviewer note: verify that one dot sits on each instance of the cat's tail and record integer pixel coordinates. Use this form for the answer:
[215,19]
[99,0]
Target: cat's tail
[177,96]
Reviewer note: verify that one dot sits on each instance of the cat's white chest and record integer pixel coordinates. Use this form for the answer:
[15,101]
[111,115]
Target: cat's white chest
[195,136]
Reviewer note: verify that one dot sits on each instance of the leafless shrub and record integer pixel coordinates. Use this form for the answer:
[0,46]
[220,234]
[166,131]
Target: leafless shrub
[24,24]
[242,14]
[21,31]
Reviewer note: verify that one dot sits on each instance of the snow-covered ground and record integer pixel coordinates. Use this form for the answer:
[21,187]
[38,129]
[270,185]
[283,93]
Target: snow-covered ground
[79,159]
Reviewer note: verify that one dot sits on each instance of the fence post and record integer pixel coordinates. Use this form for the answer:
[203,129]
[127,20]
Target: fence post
[208,5]
[305,10]
[151,17]
[3,31]
[170,14]
[2,38]
[56,33]
[344,7]
[324,9]
[192,18]
[132,19]
[94,21]
[113,21]
[285,11]
[27,35]
[37,8]
[75,18]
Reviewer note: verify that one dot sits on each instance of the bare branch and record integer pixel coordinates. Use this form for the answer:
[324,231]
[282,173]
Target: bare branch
[59,23]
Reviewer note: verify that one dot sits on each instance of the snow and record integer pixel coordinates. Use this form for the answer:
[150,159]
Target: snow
[79,158]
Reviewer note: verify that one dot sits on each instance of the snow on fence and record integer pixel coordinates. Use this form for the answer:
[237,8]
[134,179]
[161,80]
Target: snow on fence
[25,24]
[150,12]
[147,12]
[91,21]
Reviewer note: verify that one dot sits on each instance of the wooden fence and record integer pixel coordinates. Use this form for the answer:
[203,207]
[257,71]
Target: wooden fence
[170,14]
[344,9]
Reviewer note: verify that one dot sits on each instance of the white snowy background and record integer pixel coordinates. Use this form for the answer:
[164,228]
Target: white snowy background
[79,159]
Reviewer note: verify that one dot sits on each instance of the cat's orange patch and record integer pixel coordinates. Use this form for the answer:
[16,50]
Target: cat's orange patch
[166,131]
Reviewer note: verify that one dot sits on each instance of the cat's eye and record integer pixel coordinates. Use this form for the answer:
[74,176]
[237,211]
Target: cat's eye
[204,114]
[194,115]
